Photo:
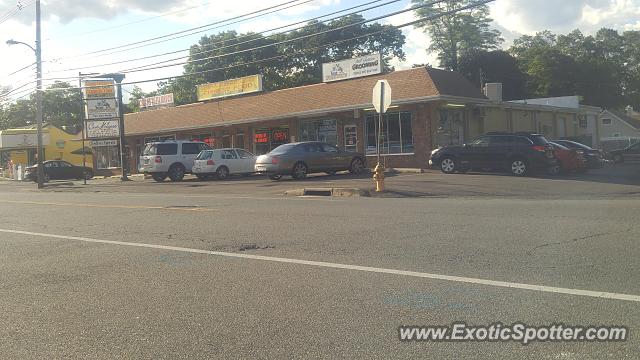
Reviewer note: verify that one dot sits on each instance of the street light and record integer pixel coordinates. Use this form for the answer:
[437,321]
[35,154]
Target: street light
[38,52]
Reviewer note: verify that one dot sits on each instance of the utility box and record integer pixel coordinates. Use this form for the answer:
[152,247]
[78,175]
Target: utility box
[493,91]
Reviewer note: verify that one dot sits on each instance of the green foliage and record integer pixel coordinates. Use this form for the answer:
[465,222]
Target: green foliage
[291,64]
[61,107]
[603,69]
[495,66]
[460,34]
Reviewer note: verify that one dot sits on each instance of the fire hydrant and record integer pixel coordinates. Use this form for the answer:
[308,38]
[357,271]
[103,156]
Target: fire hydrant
[378,177]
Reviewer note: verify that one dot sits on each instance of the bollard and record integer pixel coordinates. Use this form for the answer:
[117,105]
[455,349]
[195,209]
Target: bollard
[19,172]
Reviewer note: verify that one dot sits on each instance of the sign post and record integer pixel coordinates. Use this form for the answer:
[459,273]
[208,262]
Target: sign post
[381,102]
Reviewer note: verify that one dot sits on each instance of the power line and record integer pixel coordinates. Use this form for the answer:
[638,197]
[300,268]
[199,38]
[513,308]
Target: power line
[18,8]
[28,67]
[169,13]
[246,36]
[152,67]
[411,23]
[191,29]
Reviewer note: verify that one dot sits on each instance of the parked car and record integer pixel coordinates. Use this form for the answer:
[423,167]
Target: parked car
[629,154]
[171,158]
[58,170]
[569,160]
[518,153]
[302,158]
[223,162]
[595,158]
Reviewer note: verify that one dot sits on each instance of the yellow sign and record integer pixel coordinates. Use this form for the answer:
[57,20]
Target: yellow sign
[99,89]
[243,85]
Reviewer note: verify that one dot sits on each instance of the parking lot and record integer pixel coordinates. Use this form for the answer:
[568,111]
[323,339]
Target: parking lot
[612,180]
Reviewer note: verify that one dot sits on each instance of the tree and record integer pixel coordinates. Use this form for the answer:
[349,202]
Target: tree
[462,33]
[285,60]
[495,66]
[594,67]
[61,104]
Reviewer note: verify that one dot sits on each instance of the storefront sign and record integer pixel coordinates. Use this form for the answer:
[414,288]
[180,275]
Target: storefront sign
[280,136]
[99,89]
[243,85]
[352,68]
[101,109]
[9,139]
[99,143]
[97,129]
[262,138]
[160,100]
[350,137]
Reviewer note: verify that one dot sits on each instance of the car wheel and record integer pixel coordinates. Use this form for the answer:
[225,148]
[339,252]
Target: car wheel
[222,173]
[518,167]
[299,170]
[87,174]
[331,173]
[159,177]
[176,172]
[448,165]
[356,167]
[618,159]
[275,177]
[202,176]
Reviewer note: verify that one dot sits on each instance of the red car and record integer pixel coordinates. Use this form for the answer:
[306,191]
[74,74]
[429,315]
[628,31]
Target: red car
[568,160]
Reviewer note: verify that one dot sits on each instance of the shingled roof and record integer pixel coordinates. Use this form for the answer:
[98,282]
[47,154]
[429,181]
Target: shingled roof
[342,95]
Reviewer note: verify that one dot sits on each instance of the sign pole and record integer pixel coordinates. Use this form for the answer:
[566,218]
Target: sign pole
[381,101]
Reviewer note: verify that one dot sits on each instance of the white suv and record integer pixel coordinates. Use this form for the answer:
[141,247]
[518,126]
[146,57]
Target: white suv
[170,158]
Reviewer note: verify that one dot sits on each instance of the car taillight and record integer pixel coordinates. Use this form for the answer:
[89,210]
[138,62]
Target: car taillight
[158,160]
[275,160]
[211,162]
[540,148]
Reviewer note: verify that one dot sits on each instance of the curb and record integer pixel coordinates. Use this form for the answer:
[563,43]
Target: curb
[404,171]
[335,192]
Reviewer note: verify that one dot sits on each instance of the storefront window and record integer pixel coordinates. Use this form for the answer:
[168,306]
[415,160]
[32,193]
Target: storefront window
[239,140]
[397,133]
[266,139]
[107,157]
[319,130]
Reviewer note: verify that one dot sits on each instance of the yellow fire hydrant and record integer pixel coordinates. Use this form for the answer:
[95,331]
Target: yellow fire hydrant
[378,177]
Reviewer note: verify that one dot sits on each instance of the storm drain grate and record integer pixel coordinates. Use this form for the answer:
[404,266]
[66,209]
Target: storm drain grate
[317,192]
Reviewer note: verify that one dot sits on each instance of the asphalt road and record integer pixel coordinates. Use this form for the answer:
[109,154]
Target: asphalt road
[236,270]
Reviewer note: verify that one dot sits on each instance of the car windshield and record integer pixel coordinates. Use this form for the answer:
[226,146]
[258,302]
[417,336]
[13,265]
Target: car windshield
[282,149]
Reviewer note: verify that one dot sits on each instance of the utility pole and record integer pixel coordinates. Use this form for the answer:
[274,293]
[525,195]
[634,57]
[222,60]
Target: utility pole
[39,96]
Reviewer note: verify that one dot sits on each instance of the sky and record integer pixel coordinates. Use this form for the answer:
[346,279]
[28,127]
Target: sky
[73,29]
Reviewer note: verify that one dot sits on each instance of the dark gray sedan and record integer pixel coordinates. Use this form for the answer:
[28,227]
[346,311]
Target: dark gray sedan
[302,158]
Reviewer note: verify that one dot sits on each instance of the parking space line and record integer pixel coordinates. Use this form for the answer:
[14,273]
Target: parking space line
[106,206]
[459,279]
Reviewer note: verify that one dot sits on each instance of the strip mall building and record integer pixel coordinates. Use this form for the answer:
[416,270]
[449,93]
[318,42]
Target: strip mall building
[430,108]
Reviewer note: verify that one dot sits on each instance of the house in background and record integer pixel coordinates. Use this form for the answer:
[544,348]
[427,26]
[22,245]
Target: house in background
[619,130]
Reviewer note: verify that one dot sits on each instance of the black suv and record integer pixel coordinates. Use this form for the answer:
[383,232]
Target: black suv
[519,153]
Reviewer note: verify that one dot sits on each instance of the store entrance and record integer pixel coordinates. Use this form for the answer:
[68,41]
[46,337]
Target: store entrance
[267,139]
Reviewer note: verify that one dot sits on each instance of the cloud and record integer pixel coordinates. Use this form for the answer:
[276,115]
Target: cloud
[531,16]
[65,11]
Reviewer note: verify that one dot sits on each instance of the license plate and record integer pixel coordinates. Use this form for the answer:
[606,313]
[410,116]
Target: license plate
[261,168]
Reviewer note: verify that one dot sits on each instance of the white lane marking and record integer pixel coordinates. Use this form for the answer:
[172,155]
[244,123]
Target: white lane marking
[505,284]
